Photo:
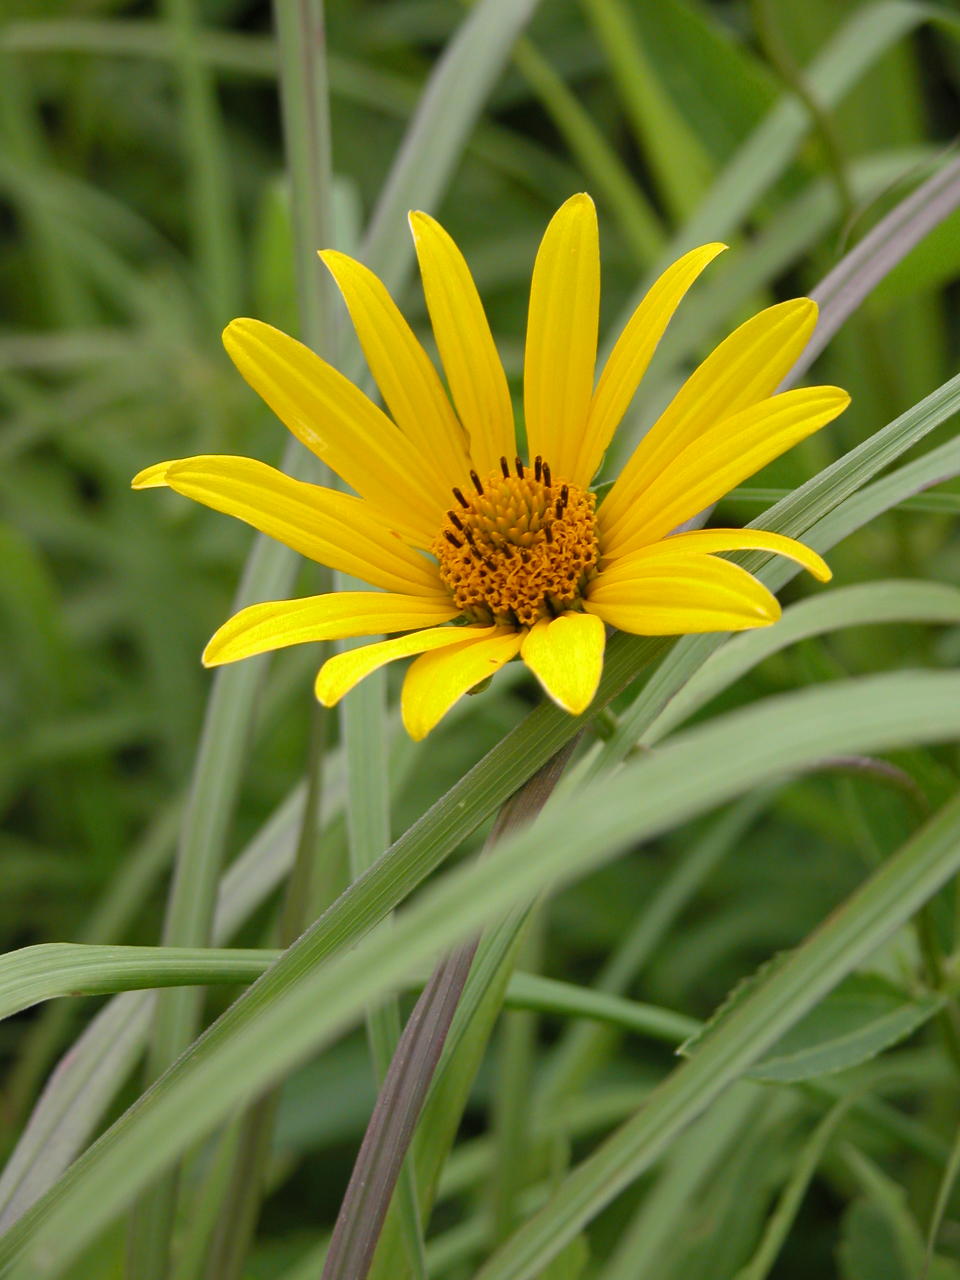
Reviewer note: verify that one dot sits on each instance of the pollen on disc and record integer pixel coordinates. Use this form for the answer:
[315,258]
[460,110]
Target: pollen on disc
[518,545]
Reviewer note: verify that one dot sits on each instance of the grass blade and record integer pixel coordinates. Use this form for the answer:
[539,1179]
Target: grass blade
[51,970]
[42,972]
[864,604]
[461,81]
[830,489]
[298,1005]
[762,158]
[387,1138]
[546,729]
[411,1072]
[856,275]
[884,903]
[782,1218]
[306,116]
[607,174]
[214,221]
[677,159]
[580,1048]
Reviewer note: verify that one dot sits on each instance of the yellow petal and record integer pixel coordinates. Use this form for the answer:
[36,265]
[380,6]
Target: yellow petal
[708,541]
[680,596]
[566,656]
[279,623]
[746,367]
[154,477]
[470,360]
[723,456]
[634,349]
[403,371]
[332,528]
[436,680]
[339,674]
[561,348]
[337,422]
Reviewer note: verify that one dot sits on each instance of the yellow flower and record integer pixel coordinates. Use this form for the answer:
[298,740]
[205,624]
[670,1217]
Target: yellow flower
[452,526]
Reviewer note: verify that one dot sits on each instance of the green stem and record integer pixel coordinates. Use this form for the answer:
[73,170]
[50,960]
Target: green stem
[638,221]
[583,1043]
[240,1210]
[511,1100]
[363,724]
[223,746]
[933,959]
[305,101]
[792,76]
[61,291]
[214,225]
[413,1067]
[125,896]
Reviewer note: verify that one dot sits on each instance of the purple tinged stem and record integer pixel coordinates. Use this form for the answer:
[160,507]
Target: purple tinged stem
[407,1082]
[858,273]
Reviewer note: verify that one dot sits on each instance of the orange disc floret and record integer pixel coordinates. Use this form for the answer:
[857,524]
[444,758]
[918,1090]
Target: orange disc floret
[519,546]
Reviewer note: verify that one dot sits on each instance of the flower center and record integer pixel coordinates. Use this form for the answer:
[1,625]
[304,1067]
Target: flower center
[520,547]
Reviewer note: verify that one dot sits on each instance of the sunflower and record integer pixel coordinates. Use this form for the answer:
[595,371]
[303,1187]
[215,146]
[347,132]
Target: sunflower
[480,549]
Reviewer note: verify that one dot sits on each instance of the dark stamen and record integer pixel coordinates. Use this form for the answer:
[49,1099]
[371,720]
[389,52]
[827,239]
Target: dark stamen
[565,494]
[505,467]
[468,534]
[519,465]
[538,466]
[548,532]
[476,482]
[558,508]
[452,539]
[455,519]
[546,474]
[460,498]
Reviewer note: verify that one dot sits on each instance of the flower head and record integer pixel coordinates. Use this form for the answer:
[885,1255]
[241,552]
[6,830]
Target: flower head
[480,550]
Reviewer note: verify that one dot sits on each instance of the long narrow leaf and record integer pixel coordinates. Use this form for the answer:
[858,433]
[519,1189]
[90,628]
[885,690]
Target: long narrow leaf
[834,486]
[884,903]
[864,604]
[546,729]
[43,972]
[459,86]
[298,1006]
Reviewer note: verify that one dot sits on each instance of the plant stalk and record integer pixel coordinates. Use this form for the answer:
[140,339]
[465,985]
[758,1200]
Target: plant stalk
[411,1070]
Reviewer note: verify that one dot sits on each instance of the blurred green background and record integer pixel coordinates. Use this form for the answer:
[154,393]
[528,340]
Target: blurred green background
[144,204]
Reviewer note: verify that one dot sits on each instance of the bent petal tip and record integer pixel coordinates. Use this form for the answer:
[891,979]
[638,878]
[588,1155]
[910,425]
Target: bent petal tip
[817,566]
[210,658]
[324,691]
[154,477]
[219,650]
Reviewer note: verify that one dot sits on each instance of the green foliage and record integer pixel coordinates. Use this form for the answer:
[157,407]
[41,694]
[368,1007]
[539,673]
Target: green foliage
[861,1018]
[787,793]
